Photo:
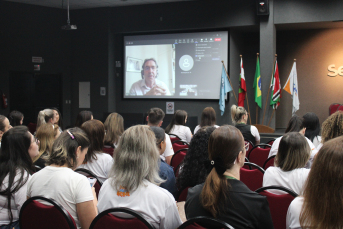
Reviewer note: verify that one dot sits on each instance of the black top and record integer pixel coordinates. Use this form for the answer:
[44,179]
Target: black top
[246,132]
[242,209]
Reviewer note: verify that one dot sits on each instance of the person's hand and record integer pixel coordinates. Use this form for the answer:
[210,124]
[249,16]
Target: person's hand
[157,90]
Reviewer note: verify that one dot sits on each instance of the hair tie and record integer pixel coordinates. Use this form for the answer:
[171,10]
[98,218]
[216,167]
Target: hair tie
[218,164]
[71,135]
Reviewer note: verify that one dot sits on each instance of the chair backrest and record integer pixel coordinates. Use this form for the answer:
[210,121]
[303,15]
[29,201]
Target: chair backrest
[34,214]
[270,142]
[278,204]
[251,145]
[182,195]
[253,178]
[203,222]
[177,159]
[246,166]
[179,144]
[105,220]
[108,150]
[269,162]
[340,108]
[333,108]
[89,173]
[174,137]
[259,155]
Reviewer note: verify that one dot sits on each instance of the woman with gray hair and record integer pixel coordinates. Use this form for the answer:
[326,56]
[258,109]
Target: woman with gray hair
[134,180]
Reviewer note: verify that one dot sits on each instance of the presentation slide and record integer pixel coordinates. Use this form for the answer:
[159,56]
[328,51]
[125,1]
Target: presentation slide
[175,66]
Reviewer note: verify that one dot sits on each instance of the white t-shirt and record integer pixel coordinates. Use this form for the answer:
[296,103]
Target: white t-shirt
[182,131]
[100,167]
[293,213]
[317,140]
[17,200]
[62,184]
[156,204]
[198,127]
[169,149]
[140,88]
[293,180]
[275,147]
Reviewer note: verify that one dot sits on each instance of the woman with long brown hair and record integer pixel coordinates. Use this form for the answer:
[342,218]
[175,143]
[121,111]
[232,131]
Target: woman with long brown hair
[208,118]
[114,127]
[223,195]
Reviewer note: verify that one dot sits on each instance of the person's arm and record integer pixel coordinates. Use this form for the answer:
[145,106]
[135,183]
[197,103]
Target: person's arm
[168,159]
[86,213]
[265,219]
[256,134]
[168,152]
[188,135]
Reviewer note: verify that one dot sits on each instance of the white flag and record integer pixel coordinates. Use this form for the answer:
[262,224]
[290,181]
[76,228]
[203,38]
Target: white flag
[291,87]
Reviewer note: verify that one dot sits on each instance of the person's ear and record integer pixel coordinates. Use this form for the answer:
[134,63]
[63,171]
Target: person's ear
[1,133]
[147,118]
[78,151]
[160,124]
[303,131]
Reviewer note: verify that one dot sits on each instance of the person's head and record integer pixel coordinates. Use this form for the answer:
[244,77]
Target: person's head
[293,153]
[179,118]
[95,131]
[16,118]
[45,116]
[208,117]
[238,114]
[226,152]
[195,166]
[58,117]
[82,117]
[295,124]
[4,125]
[323,193]
[333,126]
[69,149]
[311,123]
[114,127]
[160,138]
[149,70]
[135,159]
[155,116]
[46,134]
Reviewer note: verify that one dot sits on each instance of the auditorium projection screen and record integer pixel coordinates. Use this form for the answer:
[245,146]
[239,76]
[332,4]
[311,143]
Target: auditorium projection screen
[174,66]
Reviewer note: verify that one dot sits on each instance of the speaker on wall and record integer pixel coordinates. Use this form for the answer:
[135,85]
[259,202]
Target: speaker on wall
[262,7]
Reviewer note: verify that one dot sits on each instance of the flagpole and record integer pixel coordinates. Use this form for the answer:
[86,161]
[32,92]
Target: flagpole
[256,114]
[230,82]
[255,94]
[246,94]
[265,107]
[271,117]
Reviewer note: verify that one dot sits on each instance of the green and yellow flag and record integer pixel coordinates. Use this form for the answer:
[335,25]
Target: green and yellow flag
[257,84]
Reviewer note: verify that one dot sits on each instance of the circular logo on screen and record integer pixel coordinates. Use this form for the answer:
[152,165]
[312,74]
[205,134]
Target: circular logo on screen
[186,62]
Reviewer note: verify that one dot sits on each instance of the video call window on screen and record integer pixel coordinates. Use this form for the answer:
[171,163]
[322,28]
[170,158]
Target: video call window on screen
[183,65]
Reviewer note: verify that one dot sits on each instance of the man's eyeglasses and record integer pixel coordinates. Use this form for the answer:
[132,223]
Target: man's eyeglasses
[147,68]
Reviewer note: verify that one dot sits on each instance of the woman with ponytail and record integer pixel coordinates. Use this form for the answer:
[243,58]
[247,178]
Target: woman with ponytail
[46,116]
[223,195]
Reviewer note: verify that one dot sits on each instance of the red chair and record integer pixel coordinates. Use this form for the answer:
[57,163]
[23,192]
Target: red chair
[269,162]
[340,108]
[105,220]
[109,150]
[270,143]
[259,155]
[251,145]
[177,159]
[333,108]
[32,127]
[88,173]
[179,144]
[203,222]
[247,166]
[34,214]
[253,178]
[174,137]
[182,195]
[278,204]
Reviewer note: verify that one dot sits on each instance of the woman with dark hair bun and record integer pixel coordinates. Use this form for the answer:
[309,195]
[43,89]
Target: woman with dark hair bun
[311,123]
[223,195]
[16,118]
[82,117]
[177,126]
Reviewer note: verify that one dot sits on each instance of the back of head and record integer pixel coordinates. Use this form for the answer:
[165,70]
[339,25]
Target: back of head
[333,126]
[46,135]
[294,152]
[2,122]
[323,194]
[44,116]
[237,113]
[135,159]
[114,126]
[155,116]
[159,134]
[64,148]
[208,117]
[311,123]
[179,118]
[295,124]
[15,118]
[82,117]
[95,131]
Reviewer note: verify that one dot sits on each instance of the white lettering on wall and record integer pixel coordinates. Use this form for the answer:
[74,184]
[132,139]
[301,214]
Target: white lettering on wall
[333,72]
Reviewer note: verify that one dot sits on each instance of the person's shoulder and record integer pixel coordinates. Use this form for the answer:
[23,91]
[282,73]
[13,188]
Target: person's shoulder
[103,156]
[158,193]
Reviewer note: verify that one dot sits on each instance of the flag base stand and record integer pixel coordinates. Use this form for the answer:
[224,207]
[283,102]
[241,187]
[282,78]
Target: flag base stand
[264,129]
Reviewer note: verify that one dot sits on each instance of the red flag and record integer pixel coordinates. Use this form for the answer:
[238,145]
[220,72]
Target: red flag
[242,88]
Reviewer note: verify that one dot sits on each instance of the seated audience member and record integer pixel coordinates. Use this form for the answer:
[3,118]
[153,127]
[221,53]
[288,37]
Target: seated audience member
[223,195]
[196,165]
[166,171]
[177,126]
[134,180]
[293,154]
[4,126]
[208,118]
[59,182]
[82,117]
[95,160]
[114,127]
[58,120]
[239,118]
[18,149]
[295,124]
[46,134]
[321,204]
[155,118]
[332,127]
[311,123]
[16,118]
[46,116]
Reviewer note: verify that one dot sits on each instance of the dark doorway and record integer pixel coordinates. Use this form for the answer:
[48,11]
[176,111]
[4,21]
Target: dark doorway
[33,92]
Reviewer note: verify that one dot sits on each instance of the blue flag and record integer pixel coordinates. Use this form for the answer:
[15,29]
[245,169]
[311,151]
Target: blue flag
[225,87]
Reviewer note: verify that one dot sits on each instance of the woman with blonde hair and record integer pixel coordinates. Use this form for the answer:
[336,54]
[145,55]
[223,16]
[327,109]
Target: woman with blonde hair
[177,126]
[321,204]
[239,118]
[114,127]
[46,116]
[134,180]
[223,195]
[292,156]
[208,118]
